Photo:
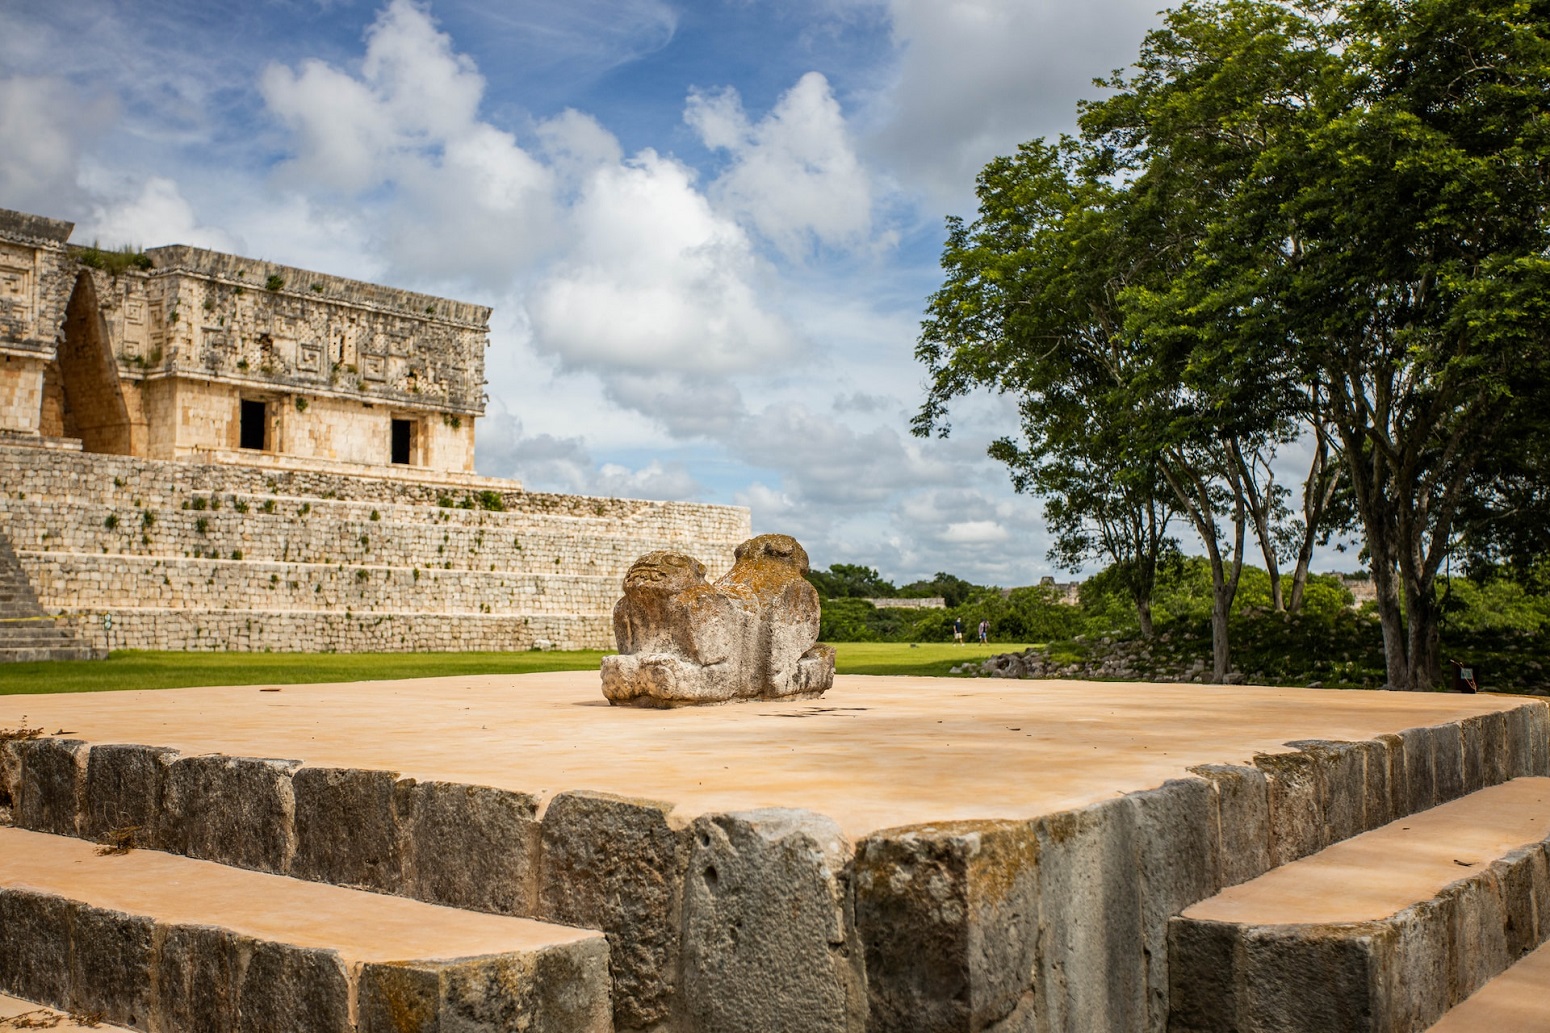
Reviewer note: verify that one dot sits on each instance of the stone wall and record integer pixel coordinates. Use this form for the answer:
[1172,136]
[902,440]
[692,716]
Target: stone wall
[204,556]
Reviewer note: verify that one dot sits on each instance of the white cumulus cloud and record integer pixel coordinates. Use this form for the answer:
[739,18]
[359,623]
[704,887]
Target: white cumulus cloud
[794,174]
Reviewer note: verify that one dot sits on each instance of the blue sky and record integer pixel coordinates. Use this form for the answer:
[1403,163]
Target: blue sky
[708,229]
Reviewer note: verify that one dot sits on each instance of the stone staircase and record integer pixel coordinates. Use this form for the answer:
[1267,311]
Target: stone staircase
[1370,886]
[26,632]
[1385,932]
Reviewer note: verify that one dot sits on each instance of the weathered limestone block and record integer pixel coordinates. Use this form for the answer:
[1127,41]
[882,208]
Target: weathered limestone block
[470,846]
[124,792]
[295,989]
[948,917]
[10,779]
[1296,815]
[1418,792]
[1092,974]
[618,865]
[769,938]
[1242,818]
[53,773]
[751,635]
[199,971]
[1177,847]
[1341,773]
[558,990]
[110,965]
[1448,761]
[35,946]
[347,828]
[235,810]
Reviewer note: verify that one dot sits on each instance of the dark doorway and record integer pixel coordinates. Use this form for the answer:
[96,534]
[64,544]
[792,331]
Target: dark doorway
[403,441]
[255,420]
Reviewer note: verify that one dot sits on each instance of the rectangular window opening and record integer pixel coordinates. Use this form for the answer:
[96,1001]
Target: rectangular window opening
[254,426]
[403,441]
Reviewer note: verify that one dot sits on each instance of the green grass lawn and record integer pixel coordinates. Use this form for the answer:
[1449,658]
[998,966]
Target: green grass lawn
[130,669]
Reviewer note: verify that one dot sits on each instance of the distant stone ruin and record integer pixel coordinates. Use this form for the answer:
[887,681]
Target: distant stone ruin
[751,635]
[205,451]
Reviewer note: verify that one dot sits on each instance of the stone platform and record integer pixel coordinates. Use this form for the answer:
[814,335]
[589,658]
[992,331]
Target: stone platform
[903,854]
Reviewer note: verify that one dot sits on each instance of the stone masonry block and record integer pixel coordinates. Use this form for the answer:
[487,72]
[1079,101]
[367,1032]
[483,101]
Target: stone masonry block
[1539,861]
[558,990]
[769,941]
[1308,979]
[1419,749]
[1242,816]
[1378,757]
[617,864]
[1478,935]
[470,846]
[948,920]
[1398,774]
[1537,725]
[1203,977]
[1418,987]
[347,828]
[1448,766]
[199,972]
[1296,814]
[35,946]
[10,779]
[52,777]
[1516,874]
[1176,851]
[1092,969]
[294,989]
[235,810]
[1341,769]
[110,965]
[1486,752]
[1519,745]
[124,792]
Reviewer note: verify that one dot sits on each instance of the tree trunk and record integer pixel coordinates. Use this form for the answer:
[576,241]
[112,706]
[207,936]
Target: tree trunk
[1144,614]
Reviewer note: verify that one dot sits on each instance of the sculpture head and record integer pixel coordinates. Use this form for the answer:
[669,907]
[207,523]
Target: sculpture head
[777,548]
[664,573]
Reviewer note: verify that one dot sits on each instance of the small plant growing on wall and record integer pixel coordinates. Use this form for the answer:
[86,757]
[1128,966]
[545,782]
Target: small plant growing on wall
[362,575]
[306,507]
[301,404]
[239,505]
[268,506]
[147,518]
[196,503]
[236,554]
[375,515]
[202,525]
[274,282]
[317,288]
[491,500]
[444,501]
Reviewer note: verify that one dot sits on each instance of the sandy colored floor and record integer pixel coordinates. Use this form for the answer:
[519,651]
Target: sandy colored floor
[1380,873]
[360,926]
[1517,1001]
[875,752]
[12,1011]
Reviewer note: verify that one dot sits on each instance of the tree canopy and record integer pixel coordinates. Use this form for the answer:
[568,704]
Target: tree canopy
[1301,224]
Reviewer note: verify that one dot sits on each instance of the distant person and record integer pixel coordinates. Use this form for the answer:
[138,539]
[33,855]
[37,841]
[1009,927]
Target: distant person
[958,630]
[984,632]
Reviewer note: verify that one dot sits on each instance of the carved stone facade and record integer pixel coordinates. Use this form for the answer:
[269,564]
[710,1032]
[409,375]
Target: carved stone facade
[189,354]
[203,451]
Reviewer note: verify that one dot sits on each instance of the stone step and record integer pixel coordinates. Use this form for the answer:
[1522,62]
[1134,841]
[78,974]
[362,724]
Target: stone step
[41,654]
[16,1013]
[1382,932]
[1517,1001]
[155,941]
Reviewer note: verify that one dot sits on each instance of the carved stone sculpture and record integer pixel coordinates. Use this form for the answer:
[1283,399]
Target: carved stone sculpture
[751,635]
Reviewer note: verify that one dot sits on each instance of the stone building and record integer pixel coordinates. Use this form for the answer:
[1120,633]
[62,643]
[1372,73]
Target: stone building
[204,451]
[182,353]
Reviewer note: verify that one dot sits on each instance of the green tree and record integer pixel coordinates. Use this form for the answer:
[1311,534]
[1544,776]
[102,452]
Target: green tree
[849,581]
[1377,228]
